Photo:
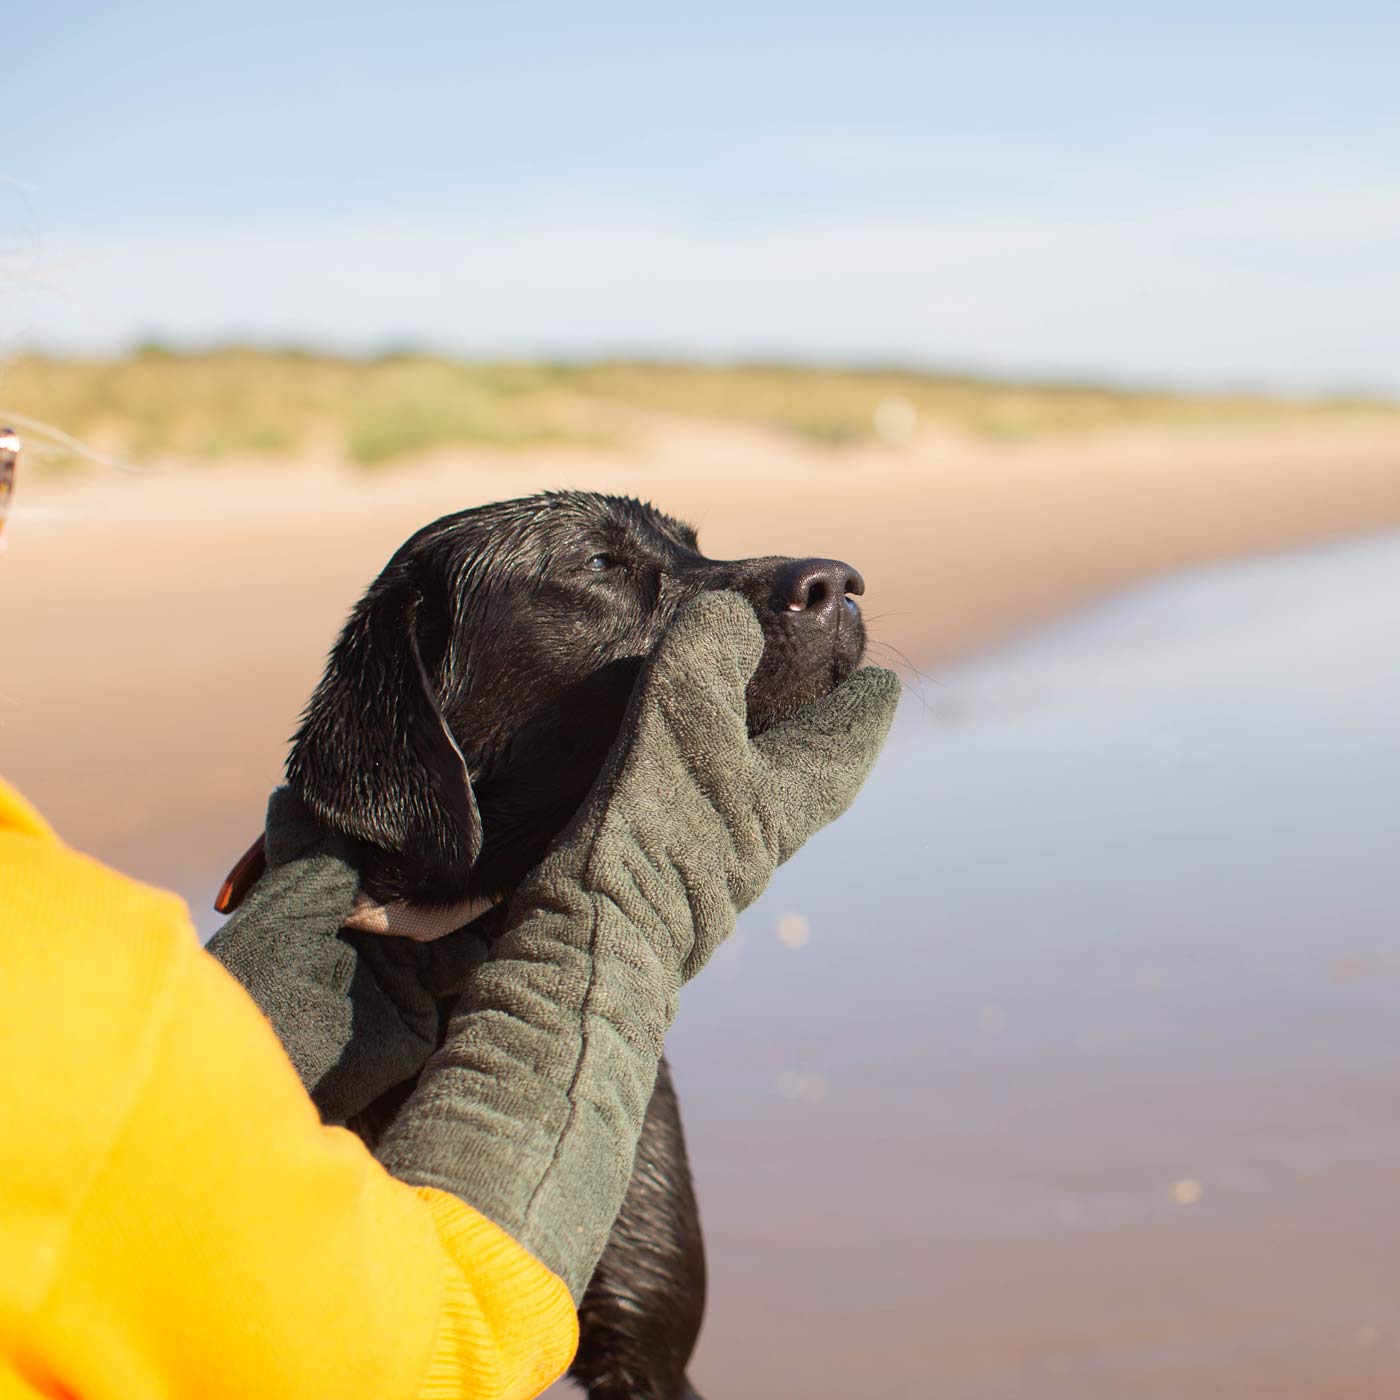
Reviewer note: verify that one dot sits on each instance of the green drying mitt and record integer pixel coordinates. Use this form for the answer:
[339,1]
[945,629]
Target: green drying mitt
[531,1110]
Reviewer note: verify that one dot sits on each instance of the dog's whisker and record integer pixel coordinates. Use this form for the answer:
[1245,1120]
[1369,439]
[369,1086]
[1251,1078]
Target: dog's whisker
[903,658]
[901,661]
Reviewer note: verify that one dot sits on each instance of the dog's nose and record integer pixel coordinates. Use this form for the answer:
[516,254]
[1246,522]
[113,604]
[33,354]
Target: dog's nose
[817,586]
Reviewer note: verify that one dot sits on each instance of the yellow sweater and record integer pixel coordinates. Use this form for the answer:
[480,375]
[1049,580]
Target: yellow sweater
[175,1220]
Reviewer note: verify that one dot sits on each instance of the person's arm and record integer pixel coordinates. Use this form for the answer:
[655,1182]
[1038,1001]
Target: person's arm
[529,1115]
[190,1225]
[175,1220]
[232,1246]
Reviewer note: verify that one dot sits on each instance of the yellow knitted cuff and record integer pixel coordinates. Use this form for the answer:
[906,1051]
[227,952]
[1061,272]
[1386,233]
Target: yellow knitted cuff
[508,1328]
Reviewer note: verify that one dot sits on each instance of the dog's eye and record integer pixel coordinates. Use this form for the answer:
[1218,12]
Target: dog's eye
[601,562]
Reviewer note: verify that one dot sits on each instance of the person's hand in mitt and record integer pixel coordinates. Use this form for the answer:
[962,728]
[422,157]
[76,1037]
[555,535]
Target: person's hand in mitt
[531,1110]
[357,1012]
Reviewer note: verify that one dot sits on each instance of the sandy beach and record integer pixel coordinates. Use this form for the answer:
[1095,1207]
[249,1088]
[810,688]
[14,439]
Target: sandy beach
[163,630]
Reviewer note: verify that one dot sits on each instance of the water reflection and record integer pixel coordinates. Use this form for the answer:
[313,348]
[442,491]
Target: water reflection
[1066,1064]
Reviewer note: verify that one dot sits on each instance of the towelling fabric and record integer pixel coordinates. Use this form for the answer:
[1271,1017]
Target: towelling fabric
[535,1089]
[176,1220]
[357,1013]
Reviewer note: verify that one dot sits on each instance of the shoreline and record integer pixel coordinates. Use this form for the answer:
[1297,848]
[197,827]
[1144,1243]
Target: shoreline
[162,631]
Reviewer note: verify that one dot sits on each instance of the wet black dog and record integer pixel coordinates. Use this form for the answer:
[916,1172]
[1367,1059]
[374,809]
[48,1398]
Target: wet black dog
[462,718]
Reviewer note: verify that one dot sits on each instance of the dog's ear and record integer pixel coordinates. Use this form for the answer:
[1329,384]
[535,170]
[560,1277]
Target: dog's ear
[374,757]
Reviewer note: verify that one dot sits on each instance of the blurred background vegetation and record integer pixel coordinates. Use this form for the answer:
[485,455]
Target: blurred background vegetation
[238,403]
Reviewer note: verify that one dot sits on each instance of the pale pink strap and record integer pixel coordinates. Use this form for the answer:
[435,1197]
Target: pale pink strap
[420,922]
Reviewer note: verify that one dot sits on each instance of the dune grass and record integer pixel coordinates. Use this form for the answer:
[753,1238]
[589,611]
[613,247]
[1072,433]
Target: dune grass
[276,404]
[240,403]
[843,406]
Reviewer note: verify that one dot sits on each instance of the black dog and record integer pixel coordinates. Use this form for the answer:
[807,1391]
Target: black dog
[464,714]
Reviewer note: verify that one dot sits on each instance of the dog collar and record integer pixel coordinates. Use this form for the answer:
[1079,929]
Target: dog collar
[420,922]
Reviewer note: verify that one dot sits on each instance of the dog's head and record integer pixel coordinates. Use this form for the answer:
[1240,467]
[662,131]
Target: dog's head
[477,686]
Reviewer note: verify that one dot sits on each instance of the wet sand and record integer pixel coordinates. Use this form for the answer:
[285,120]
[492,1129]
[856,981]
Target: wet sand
[160,634]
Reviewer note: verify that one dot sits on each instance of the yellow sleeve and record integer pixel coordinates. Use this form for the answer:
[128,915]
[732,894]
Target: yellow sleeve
[222,1242]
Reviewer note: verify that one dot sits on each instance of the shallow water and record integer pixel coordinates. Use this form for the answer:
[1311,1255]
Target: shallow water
[1068,1063]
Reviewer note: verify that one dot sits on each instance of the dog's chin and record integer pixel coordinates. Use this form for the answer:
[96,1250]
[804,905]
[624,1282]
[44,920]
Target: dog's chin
[769,706]
[787,681]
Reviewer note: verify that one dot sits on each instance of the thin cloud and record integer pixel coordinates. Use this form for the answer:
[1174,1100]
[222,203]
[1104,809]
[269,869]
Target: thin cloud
[1271,282]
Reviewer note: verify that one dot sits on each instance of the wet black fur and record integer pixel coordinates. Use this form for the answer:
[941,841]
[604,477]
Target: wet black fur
[461,719]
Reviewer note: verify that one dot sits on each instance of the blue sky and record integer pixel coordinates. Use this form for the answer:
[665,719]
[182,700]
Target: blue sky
[1189,193]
